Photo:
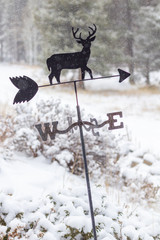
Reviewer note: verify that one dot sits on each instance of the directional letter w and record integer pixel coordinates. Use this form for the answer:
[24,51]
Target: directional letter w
[47,130]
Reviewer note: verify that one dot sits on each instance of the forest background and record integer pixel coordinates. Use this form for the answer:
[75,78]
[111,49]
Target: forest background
[128,33]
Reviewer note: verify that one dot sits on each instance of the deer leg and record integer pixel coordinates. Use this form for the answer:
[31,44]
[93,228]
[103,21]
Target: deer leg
[57,76]
[51,75]
[83,73]
[89,71]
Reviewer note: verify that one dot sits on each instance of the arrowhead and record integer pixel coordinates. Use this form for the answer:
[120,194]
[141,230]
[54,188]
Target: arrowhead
[123,75]
[27,89]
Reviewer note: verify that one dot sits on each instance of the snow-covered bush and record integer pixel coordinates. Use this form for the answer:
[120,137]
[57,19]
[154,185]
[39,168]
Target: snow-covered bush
[123,166]
[6,130]
[65,215]
[66,148]
[138,171]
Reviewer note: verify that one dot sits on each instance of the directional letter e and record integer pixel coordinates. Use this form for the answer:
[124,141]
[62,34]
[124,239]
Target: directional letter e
[112,121]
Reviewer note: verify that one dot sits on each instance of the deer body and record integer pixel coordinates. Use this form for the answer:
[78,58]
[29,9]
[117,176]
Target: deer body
[57,62]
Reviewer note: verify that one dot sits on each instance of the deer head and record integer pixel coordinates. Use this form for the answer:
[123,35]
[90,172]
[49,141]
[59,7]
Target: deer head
[85,42]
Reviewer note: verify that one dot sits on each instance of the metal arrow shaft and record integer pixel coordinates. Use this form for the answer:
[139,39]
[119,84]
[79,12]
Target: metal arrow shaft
[85,164]
[73,81]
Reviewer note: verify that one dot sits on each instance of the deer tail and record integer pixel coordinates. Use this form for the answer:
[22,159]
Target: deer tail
[48,65]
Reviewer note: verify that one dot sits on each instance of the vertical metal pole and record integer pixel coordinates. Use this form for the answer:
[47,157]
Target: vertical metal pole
[85,164]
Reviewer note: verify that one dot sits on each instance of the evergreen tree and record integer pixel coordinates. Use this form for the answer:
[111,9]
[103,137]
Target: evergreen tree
[12,49]
[2,29]
[30,33]
[147,47]
[121,20]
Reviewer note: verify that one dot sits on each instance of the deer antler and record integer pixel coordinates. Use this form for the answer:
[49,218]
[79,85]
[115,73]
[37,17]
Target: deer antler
[93,31]
[75,32]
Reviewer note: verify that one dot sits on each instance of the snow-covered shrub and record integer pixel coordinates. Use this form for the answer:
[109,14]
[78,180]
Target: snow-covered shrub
[6,127]
[66,148]
[124,166]
[64,215]
[25,139]
[138,173]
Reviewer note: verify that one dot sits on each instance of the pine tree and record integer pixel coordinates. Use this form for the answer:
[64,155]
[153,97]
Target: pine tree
[30,33]
[2,30]
[147,47]
[12,48]
[121,20]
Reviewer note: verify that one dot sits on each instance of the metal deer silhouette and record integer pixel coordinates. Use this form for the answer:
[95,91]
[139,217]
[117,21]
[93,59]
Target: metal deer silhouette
[57,62]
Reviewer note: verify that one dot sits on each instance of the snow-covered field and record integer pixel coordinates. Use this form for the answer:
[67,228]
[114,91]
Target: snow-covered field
[42,200]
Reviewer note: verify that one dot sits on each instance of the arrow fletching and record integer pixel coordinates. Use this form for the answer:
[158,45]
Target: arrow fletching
[27,88]
[123,75]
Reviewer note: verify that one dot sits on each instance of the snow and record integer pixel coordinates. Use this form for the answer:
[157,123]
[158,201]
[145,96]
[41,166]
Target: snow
[50,202]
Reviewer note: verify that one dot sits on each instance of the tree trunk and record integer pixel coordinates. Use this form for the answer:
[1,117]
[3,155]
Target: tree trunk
[148,72]
[130,41]
[1,50]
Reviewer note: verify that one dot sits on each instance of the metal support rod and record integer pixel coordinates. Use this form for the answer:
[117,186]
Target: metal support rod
[85,164]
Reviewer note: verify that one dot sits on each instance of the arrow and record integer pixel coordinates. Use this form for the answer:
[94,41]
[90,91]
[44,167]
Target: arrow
[28,87]
[123,75]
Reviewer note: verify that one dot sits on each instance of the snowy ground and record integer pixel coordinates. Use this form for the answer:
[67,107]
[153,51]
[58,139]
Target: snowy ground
[24,182]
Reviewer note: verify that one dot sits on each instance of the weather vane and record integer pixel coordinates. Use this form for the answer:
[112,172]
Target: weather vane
[28,88]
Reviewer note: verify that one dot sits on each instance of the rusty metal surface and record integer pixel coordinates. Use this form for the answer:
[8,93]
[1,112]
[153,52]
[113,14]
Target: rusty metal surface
[46,129]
